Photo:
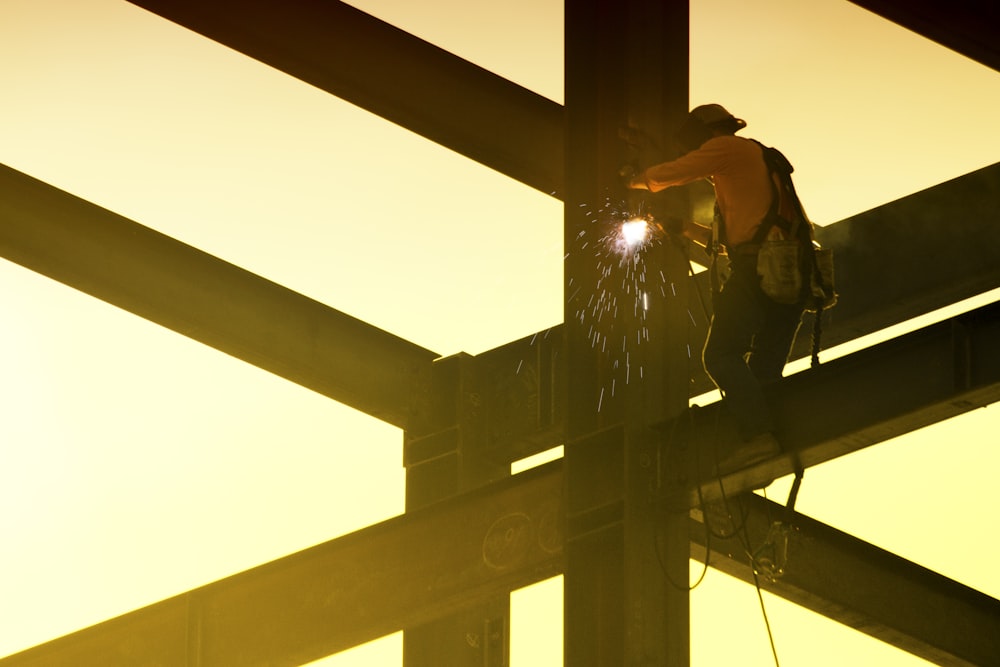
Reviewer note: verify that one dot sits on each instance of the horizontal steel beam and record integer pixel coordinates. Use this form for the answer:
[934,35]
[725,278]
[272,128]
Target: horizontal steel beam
[896,387]
[393,74]
[852,582]
[193,293]
[966,26]
[396,574]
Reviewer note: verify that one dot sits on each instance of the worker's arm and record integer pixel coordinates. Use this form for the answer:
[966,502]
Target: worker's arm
[712,158]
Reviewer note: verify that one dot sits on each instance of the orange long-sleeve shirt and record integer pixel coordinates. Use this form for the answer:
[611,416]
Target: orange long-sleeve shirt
[736,168]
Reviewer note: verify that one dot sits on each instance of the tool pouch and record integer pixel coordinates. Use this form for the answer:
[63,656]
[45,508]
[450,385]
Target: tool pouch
[790,274]
[780,269]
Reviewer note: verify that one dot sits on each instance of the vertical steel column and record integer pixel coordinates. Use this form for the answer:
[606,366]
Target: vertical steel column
[626,599]
[445,456]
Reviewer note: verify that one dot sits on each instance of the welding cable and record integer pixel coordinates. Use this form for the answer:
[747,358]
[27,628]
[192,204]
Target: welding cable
[743,534]
[715,429]
[763,611]
[656,541]
[741,529]
[760,595]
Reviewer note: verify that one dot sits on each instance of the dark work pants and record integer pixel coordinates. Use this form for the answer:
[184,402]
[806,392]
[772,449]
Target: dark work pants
[748,344]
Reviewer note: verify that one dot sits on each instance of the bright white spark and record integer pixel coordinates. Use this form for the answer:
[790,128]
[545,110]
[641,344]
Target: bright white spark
[635,232]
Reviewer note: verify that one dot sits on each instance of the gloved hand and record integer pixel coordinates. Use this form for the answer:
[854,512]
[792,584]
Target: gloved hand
[627,174]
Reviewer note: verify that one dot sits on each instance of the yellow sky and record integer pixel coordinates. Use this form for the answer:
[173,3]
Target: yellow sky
[137,464]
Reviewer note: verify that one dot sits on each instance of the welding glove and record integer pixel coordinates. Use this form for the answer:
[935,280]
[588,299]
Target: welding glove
[627,174]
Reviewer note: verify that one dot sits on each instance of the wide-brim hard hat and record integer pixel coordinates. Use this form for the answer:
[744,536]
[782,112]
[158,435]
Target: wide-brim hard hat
[712,114]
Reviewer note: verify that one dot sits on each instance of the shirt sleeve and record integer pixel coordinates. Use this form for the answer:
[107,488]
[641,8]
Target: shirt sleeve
[703,162]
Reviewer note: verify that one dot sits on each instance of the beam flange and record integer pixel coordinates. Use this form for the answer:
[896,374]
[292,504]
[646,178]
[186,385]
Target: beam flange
[200,296]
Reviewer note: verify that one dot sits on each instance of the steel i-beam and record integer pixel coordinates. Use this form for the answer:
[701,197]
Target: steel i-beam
[619,606]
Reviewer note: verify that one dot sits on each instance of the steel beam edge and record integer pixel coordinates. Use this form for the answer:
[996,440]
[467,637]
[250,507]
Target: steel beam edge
[156,277]
[896,387]
[369,583]
[968,27]
[854,583]
[404,571]
[389,72]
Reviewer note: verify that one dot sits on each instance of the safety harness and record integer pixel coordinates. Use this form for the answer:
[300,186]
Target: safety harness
[793,269]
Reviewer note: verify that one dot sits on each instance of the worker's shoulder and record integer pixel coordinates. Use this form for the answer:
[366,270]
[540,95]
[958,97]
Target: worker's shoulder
[730,143]
[733,152]
[734,142]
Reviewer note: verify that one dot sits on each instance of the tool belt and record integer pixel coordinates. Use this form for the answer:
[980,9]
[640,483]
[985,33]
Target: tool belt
[790,273]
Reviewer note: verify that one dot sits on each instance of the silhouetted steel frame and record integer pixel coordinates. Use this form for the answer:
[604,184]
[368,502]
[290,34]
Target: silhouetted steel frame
[384,577]
[83,279]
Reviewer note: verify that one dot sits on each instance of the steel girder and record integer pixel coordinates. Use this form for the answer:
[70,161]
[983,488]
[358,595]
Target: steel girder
[914,255]
[473,111]
[898,261]
[896,387]
[214,302]
[531,179]
[852,582]
[619,606]
[510,534]
[399,573]
[393,74]
[969,27]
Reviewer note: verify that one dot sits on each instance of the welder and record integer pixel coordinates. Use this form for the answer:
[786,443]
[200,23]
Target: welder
[750,334]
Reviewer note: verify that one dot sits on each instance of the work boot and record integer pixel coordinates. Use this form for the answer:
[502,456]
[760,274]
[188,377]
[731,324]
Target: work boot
[758,448]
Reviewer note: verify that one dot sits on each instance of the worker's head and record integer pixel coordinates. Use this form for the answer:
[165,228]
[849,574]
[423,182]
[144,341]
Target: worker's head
[705,122]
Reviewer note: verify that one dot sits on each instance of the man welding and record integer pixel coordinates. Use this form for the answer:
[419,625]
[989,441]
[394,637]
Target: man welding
[750,335]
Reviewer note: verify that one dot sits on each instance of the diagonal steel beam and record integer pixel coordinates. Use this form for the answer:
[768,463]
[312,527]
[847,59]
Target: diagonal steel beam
[852,582]
[894,262]
[219,304]
[158,278]
[501,537]
[913,255]
[509,534]
[896,387]
[966,26]
[393,74]
[900,260]
[402,572]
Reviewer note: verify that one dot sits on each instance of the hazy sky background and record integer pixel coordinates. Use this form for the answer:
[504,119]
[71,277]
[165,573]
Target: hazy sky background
[137,464]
